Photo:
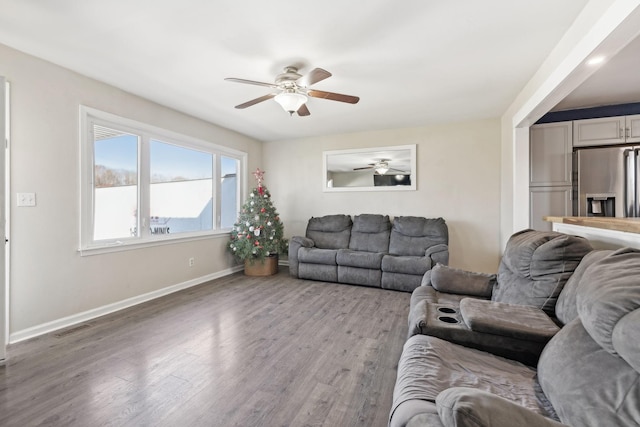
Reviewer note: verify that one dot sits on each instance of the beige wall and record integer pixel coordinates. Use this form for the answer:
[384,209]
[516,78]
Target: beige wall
[458,179]
[49,279]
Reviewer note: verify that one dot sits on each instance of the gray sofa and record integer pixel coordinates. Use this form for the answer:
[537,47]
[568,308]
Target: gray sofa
[588,373]
[511,314]
[369,250]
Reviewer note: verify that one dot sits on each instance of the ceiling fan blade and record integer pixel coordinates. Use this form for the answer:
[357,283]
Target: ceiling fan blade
[333,96]
[255,101]
[314,76]
[303,110]
[366,167]
[250,82]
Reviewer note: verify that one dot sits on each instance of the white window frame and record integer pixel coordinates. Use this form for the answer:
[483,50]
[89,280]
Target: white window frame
[90,116]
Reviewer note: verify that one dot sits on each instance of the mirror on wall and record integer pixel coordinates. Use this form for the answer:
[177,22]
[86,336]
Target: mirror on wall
[370,169]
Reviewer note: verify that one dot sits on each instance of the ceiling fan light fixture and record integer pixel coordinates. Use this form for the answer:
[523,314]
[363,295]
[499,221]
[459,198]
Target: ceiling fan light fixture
[381,168]
[290,101]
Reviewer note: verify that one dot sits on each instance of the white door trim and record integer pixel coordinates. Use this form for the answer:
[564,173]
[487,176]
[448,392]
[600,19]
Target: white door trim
[4,216]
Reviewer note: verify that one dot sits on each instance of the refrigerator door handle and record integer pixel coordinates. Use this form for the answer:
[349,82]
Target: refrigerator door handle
[630,160]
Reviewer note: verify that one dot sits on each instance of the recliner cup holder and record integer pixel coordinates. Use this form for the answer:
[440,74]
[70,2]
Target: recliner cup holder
[446,310]
[448,319]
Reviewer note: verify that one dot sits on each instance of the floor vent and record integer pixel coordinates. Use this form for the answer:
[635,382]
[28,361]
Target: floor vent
[71,331]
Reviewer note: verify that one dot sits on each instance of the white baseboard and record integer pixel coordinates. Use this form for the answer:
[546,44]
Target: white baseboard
[65,322]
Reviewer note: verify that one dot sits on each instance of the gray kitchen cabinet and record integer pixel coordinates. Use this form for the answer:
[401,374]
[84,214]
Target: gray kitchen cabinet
[550,154]
[633,128]
[550,150]
[606,131]
[548,201]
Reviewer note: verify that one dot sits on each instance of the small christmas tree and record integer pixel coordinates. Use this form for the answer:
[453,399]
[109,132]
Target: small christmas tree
[258,233]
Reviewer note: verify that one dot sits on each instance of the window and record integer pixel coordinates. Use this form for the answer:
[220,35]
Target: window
[229,200]
[115,188]
[142,185]
[181,196]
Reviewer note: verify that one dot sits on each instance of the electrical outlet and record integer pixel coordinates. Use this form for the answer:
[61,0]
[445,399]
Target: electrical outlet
[26,199]
[192,261]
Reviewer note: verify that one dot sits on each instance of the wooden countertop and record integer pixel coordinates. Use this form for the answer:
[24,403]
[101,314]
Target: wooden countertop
[629,225]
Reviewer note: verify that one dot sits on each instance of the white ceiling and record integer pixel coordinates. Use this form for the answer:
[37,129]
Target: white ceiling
[616,82]
[412,63]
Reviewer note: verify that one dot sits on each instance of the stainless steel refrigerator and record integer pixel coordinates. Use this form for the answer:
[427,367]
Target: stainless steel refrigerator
[605,181]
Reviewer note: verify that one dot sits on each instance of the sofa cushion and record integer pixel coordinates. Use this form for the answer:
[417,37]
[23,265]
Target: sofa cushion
[406,264]
[587,385]
[609,292]
[567,304]
[370,233]
[359,259]
[536,265]
[626,339]
[468,407]
[412,235]
[371,223]
[330,231]
[317,256]
[430,365]
[456,281]
[590,369]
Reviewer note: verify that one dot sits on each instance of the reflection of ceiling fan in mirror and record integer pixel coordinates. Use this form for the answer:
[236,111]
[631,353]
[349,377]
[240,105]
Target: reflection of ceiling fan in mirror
[381,167]
[292,90]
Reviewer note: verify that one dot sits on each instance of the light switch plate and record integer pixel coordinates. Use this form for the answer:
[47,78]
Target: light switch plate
[26,199]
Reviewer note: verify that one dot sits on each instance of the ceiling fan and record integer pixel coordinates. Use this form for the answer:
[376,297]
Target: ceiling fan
[292,90]
[381,167]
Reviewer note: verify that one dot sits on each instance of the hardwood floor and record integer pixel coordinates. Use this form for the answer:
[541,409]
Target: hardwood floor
[236,351]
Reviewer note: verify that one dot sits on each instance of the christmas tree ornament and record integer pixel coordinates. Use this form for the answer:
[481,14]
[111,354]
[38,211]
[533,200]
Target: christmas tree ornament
[258,174]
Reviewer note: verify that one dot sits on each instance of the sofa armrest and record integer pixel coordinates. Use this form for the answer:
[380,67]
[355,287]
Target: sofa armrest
[454,281]
[469,407]
[303,241]
[295,243]
[426,279]
[507,320]
[438,253]
[417,318]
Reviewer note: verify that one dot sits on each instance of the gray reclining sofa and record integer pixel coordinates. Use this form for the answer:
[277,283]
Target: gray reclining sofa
[369,250]
[588,374]
[511,314]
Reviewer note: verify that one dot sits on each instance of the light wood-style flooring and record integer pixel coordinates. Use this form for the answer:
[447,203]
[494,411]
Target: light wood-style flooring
[236,351]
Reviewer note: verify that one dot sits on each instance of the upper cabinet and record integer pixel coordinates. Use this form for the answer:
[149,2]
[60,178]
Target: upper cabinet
[633,125]
[550,154]
[606,131]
